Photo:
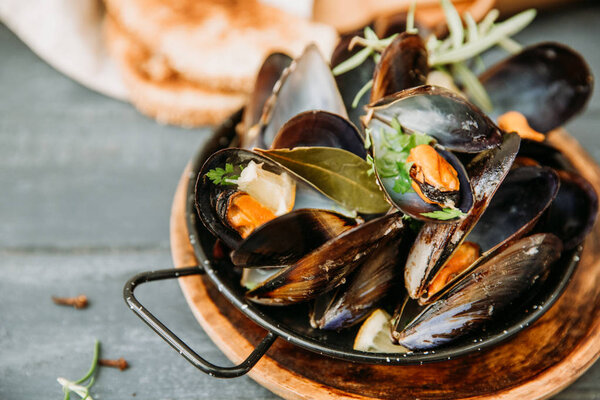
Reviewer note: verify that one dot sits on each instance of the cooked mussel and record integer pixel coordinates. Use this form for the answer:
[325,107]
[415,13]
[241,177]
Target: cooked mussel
[499,281]
[366,287]
[307,84]
[288,238]
[573,212]
[248,195]
[454,122]
[320,128]
[403,65]
[327,267]
[436,242]
[351,82]
[438,179]
[267,76]
[548,83]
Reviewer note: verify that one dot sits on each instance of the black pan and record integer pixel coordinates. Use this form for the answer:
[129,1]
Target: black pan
[291,323]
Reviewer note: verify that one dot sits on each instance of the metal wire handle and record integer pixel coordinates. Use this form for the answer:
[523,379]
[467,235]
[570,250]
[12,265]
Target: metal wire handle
[173,340]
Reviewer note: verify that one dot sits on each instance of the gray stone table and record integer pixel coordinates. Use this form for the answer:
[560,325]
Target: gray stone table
[86,187]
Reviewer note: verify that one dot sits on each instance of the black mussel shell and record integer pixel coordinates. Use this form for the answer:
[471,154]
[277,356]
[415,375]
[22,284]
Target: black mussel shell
[457,124]
[573,212]
[211,199]
[350,83]
[367,287]
[307,84]
[547,82]
[403,65]
[543,154]
[489,289]
[516,207]
[326,267]
[268,75]
[320,128]
[435,242]
[288,238]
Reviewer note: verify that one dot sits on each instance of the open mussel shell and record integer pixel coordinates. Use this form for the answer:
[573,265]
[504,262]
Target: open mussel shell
[403,65]
[457,124]
[288,238]
[573,212]
[268,75]
[351,82]
[411,203]
[366,288]
[489,289]
[212,199]
[542,153]
[548,83]
[320,128]
[307,84]
[516,207]
[326,267]
[435,242]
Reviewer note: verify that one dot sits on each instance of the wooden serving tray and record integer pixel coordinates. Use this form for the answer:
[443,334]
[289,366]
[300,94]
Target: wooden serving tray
[536,363]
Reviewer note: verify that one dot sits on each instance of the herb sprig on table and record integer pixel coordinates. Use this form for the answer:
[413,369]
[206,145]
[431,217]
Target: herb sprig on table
[78,387]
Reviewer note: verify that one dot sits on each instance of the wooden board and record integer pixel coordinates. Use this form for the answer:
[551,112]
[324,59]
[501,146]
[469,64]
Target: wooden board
[536,363]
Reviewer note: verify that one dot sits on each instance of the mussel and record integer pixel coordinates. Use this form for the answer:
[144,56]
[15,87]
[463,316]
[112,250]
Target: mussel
[308,221]
[453,121]
[328,266]
[436,242]
[269,73]
[403,65]
[548,83]
[320,128]
[375,279]
[307,84]
[497,282]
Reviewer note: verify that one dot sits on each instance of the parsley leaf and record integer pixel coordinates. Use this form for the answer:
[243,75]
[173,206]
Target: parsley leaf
[220,176]
[403,183]
[444,214]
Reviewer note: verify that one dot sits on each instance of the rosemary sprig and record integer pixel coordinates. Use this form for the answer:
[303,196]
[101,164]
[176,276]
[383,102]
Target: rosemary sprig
[372,47]
[496,34]
[77,386]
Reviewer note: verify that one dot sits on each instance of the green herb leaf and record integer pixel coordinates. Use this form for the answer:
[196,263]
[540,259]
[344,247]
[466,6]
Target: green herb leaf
[444,214]
[403,183]
[220,176]
[361,93]
[495,35]
[76,387]
[457,33]
[473,86]
[340,175]
[352,62]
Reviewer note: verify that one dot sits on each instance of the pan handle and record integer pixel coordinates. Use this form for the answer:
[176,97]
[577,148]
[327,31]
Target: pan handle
[173,340]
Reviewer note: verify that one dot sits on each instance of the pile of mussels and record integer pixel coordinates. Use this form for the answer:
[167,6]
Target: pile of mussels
[431,200]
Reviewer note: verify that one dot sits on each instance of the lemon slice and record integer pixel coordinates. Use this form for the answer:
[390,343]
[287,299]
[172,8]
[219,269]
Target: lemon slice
[275,192]
[374,335]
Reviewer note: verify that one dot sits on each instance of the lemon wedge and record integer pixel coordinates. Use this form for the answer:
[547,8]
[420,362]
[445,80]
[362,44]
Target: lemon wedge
[374,335]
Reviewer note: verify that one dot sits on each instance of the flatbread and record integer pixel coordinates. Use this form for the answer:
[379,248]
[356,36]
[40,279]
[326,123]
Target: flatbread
[219,44]
[160,92]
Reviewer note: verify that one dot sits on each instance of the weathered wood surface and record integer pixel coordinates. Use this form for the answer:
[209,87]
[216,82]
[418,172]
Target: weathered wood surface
[87,185]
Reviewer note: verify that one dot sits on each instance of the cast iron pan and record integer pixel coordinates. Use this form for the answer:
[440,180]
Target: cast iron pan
[291,322]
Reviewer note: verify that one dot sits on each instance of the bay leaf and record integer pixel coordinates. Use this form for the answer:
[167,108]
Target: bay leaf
[340,175]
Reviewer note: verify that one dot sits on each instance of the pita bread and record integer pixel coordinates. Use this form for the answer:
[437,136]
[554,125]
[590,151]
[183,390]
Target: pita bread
[219,44]
[158,91]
